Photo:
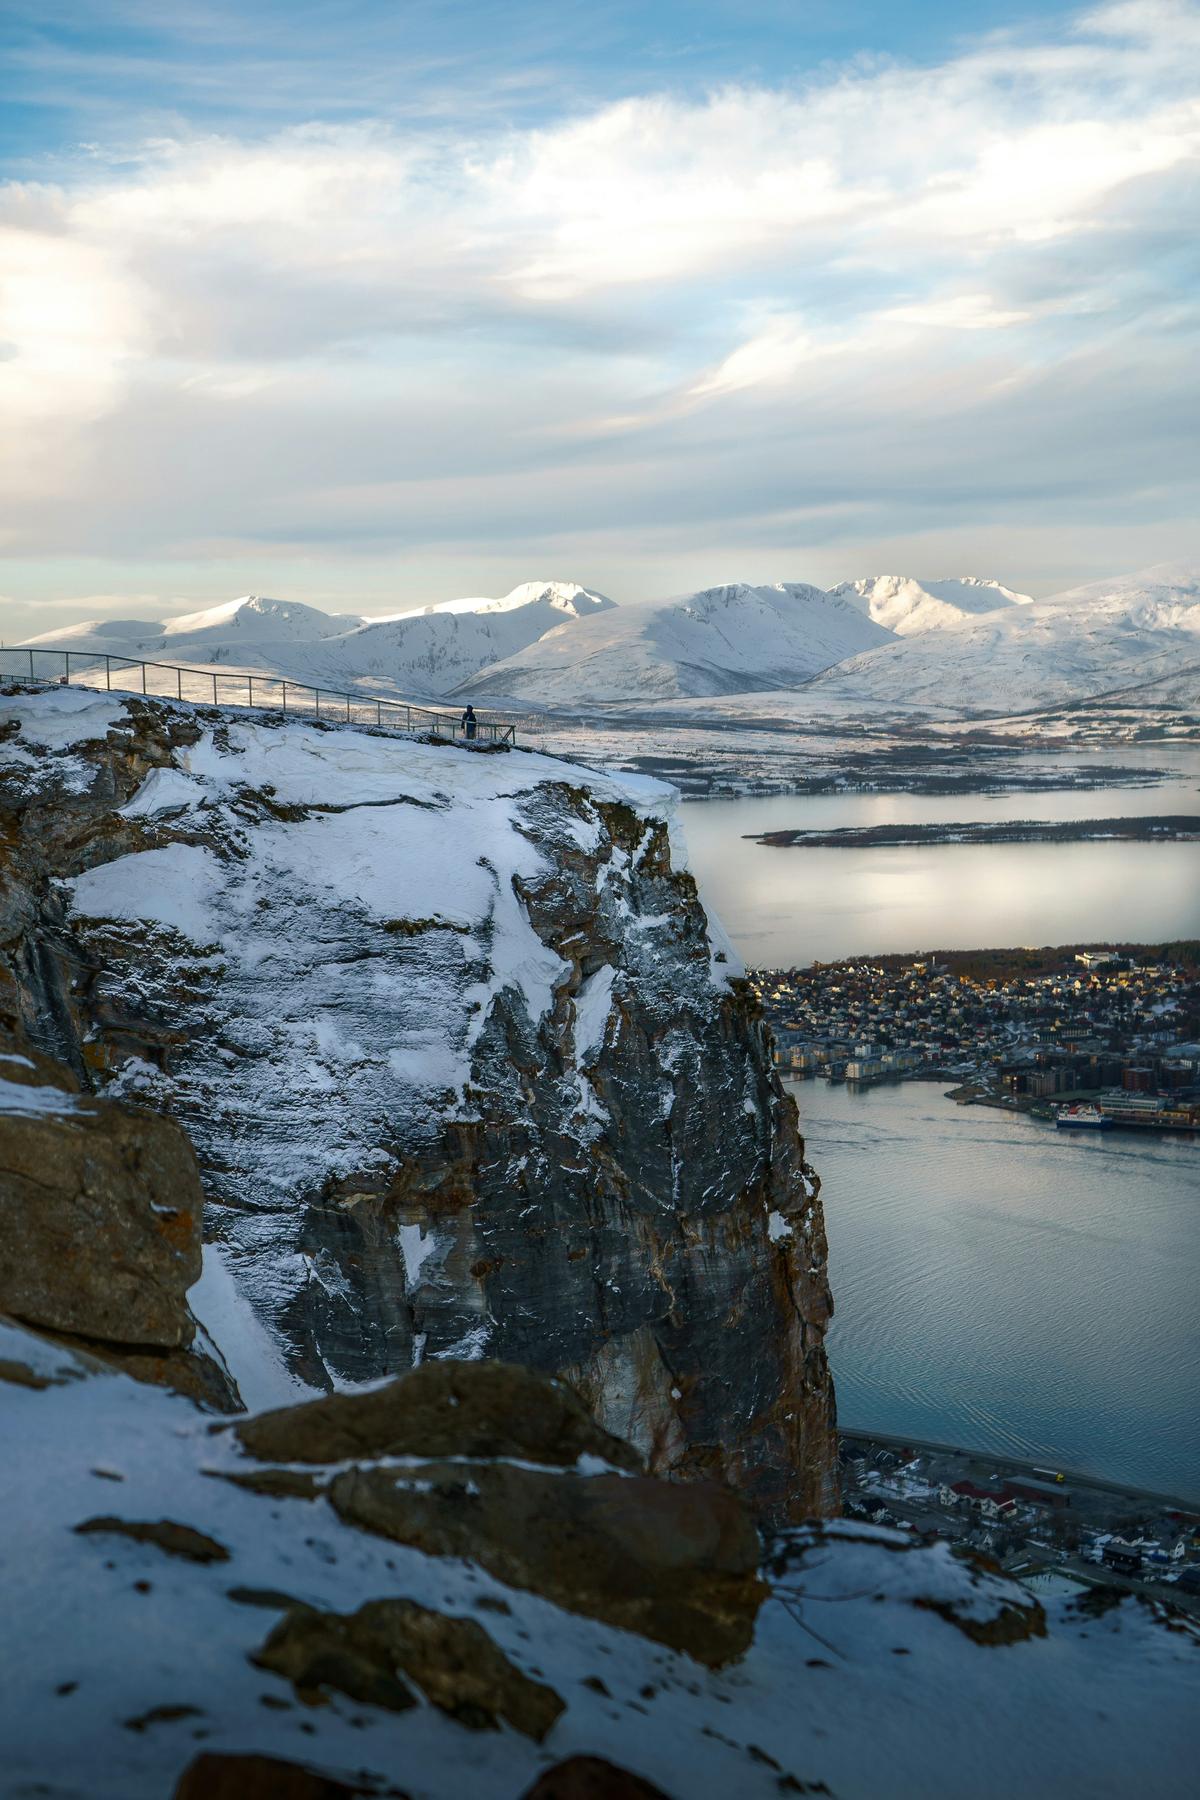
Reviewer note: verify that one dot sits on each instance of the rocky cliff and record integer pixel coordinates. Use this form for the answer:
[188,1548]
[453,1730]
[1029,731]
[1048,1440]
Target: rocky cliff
[467,1070]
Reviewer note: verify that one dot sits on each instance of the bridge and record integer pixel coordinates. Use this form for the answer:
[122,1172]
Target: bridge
[240,689]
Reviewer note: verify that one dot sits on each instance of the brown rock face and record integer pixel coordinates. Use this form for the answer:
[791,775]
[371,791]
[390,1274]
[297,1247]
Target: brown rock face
[673,1561]
[99,1224]
[453,1661]
[484,1409]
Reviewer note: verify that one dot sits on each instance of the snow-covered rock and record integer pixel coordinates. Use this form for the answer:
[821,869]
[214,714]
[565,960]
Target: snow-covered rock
[721,640]
[467,1069]
[905,605]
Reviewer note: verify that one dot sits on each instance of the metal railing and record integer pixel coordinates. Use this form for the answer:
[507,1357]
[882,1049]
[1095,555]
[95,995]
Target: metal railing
[213,687]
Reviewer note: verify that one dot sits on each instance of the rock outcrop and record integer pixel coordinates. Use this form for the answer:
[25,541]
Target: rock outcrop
[100,1221]
[467,1070]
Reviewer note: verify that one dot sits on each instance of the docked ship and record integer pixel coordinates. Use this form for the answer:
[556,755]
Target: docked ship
[1082,1118]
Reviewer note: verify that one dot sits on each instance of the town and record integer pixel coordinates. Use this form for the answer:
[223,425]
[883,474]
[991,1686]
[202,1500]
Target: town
[1052,1531]
[1104,1036]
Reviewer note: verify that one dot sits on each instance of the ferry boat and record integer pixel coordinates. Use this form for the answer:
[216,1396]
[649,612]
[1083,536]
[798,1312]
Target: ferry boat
[1082,1118]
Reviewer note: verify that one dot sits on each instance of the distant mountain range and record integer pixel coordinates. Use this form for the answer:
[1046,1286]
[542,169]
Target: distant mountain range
[884,645]
[722,640]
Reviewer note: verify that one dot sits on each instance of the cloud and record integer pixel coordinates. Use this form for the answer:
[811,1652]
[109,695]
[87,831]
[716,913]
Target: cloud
[889,291]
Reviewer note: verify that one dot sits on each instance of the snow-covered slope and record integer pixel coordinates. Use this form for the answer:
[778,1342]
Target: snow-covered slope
[879,1667]
[1085,642]
[432,650]
[425,652]
[721,640]
[906,605]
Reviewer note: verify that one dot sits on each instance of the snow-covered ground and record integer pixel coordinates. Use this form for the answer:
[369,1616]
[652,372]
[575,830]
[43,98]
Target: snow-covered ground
[124,1662]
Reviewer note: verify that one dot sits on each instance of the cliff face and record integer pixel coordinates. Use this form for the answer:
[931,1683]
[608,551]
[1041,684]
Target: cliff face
[466,1068]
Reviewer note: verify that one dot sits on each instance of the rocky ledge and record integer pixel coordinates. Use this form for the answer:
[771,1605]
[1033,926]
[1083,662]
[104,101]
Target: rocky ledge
[466,1068]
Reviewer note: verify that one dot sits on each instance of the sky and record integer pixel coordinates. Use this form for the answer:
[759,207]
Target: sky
[379,303]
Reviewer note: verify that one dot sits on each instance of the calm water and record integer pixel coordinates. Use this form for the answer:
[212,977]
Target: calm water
[999,1284]
[787,906]
[1004,1286]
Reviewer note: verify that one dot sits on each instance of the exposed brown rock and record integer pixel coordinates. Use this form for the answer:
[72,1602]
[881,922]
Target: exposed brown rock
[674,1561]
[1011,1624]
[216,1777]
[276,1484]
[591,1778]
[365,1655]
[100,1211]
[167,1534]
[440,1409]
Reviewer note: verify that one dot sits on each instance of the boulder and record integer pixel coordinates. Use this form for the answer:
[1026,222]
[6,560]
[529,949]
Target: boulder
[366,1654]
[591,1778]
[216,1777]
[674,1561]
[100,1212]
[442,1408]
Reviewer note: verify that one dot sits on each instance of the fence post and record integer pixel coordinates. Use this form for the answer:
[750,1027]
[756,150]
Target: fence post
[31,674]
[179,684]
[108,672]
[317,701]
[214,690]
[143,678]
[285,696]
[378,712]
[250,685]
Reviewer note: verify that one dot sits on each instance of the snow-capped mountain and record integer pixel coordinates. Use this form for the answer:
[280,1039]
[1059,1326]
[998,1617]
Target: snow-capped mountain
[721,640]
[242,630]
[905,605]
[1081,643]
[426,651]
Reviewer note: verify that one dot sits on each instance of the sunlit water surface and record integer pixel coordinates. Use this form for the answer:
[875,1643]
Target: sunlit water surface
[1002,1285]
[786,906]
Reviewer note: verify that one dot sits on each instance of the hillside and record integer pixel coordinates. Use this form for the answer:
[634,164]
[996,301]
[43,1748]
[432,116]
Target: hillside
[721,640]
[1086,641]
[906,606]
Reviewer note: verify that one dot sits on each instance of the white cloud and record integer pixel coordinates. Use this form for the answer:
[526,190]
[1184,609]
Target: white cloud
[351,335]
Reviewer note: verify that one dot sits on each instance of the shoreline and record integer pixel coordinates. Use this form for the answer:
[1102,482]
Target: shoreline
[1001,1460]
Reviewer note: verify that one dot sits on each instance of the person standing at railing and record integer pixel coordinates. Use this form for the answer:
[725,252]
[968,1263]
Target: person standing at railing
[469,722]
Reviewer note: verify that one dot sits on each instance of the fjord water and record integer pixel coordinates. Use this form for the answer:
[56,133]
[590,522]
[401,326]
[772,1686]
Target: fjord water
[999,1285]
[787,906]
[1004,1286]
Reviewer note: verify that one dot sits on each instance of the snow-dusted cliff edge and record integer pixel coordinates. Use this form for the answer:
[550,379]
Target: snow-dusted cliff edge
[467,1070]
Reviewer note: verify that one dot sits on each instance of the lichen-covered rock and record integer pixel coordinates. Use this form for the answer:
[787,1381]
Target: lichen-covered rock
[484,1409]
[366,1654]
[467,1069]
